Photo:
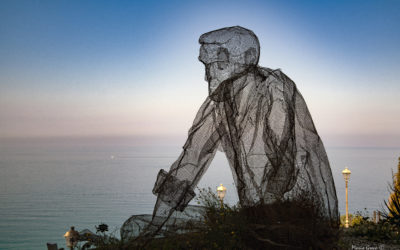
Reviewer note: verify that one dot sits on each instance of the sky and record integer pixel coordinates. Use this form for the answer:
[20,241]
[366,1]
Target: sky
[130,68]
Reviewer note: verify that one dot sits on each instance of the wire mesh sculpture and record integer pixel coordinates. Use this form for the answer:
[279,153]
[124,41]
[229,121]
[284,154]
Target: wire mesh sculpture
[260,120]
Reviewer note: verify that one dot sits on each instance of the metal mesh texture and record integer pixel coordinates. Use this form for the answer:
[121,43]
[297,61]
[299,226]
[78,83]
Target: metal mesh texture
[258,118]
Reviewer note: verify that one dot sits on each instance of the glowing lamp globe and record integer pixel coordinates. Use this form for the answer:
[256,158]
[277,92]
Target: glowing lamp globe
[221,191]
[71,238]
[346,174]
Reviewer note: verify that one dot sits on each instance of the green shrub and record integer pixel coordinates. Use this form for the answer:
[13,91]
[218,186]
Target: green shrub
[383,231]
[355,219]
[286,224]
[393,205]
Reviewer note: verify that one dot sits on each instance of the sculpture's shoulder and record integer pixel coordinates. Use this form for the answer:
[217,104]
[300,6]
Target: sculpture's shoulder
[276,79]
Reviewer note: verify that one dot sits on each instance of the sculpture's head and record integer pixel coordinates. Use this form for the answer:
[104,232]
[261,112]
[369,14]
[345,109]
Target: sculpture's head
[228,53]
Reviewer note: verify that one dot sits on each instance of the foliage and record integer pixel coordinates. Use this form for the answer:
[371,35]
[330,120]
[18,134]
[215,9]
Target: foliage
[382,231]
[355,219]
[102,228]
[288,224]
[393,205]
[101,242]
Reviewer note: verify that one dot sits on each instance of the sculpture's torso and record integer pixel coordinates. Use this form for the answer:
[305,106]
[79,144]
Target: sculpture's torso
[244,124]
[270,140]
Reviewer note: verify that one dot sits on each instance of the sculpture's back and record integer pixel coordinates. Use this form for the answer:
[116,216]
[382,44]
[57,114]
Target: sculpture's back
[269,138]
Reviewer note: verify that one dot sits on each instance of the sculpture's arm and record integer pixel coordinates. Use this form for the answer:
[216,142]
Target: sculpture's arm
[279,135]
[293,145]
[313,159]
[175,189]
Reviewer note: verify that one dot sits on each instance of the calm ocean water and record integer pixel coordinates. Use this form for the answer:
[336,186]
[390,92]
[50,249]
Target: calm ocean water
[45,187]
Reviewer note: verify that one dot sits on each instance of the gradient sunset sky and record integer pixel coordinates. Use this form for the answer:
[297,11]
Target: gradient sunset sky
[130,68]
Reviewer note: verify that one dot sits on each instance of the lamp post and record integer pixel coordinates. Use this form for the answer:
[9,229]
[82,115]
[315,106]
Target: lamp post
[221,191]
[346,175]
[71,238]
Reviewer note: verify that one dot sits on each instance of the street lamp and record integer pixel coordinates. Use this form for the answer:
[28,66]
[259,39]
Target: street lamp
[221,191]
[71,238]
[346,175]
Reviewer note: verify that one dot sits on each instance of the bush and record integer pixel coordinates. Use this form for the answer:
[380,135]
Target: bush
[284,224]
[355,219]
[361,226]
[393,206]
[383,231]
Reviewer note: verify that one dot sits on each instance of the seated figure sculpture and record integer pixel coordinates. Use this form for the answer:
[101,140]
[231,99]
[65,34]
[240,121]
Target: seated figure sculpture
[260,120]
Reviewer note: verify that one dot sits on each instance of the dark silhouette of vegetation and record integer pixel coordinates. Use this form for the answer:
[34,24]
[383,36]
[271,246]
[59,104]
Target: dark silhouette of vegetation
[383,231]
[393,205]
[285,224]
[102,228]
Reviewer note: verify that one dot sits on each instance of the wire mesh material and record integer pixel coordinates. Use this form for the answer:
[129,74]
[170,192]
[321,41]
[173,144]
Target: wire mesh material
[258,118]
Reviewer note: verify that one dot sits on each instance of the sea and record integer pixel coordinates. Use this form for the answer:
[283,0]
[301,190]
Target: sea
[46,186]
